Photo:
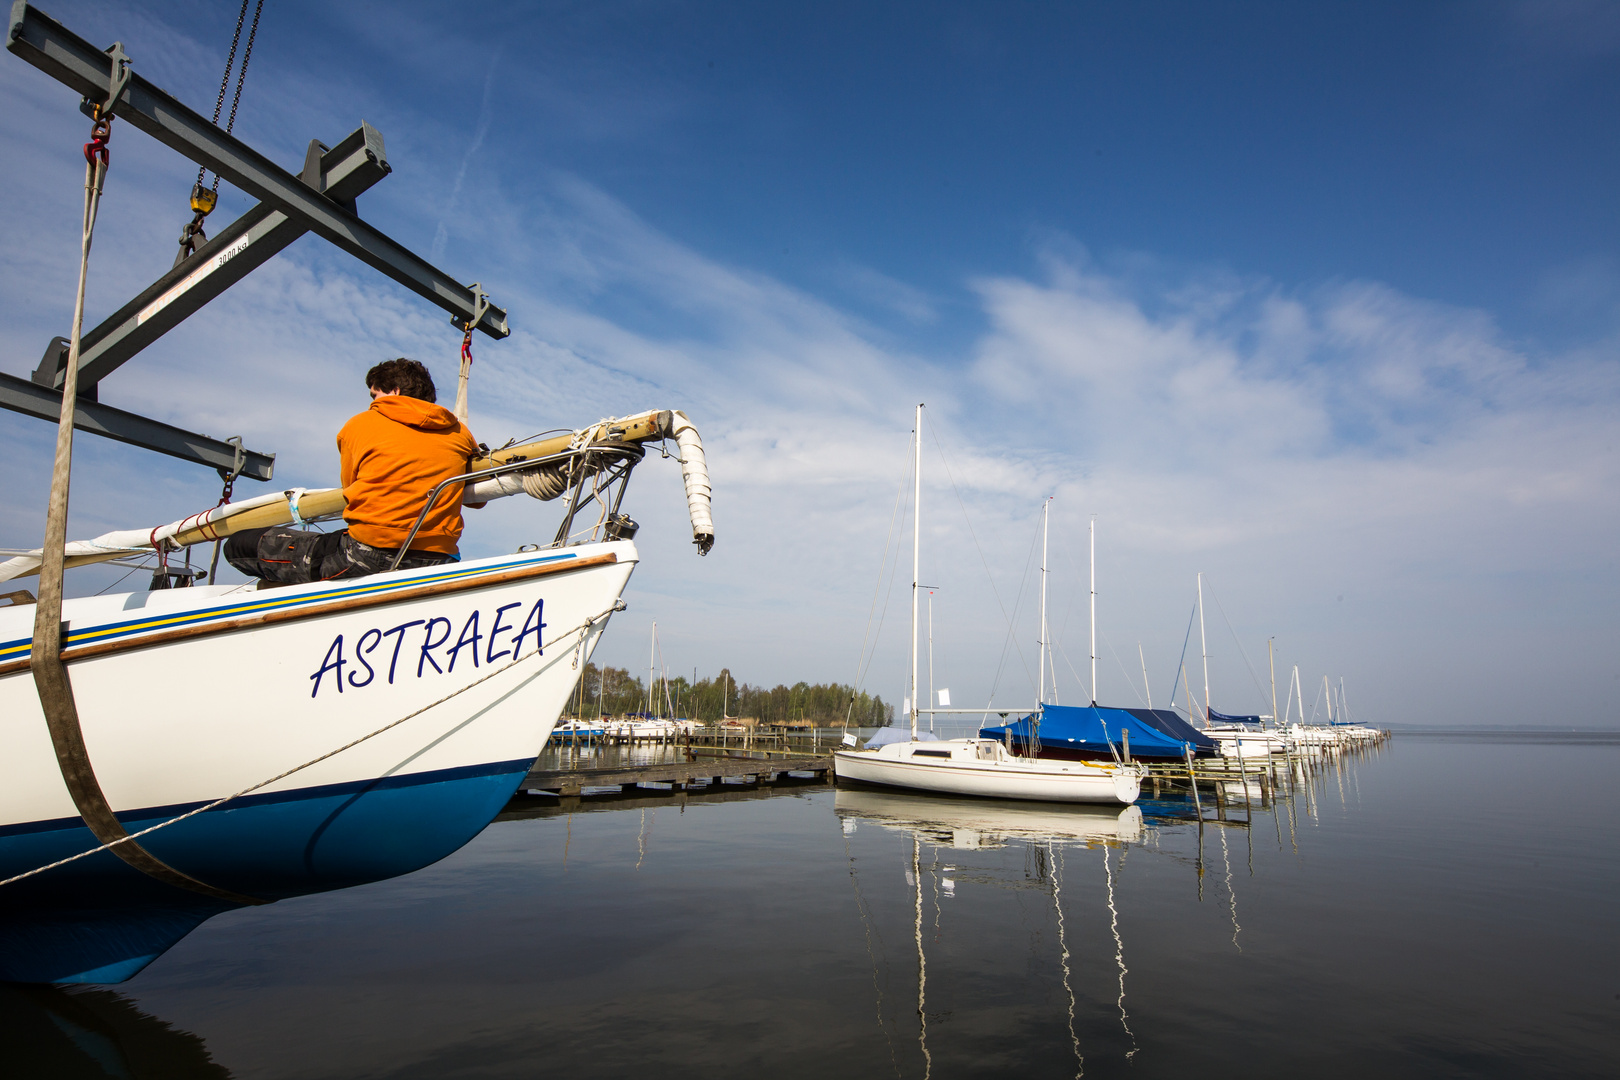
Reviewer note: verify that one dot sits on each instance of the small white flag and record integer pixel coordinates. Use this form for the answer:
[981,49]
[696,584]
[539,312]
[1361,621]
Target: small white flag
[849,740]
[906,708]
[945,699]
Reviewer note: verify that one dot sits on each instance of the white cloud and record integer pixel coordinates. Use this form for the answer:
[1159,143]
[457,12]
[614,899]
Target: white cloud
[1297,444]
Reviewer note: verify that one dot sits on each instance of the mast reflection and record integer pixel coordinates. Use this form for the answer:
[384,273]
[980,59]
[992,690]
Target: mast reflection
[1043,830]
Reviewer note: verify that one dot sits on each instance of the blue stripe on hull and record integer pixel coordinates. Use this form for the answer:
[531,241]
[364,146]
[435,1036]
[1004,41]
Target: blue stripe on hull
[99,920]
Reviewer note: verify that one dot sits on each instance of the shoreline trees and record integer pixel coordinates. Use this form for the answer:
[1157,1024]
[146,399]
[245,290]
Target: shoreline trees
[821,704]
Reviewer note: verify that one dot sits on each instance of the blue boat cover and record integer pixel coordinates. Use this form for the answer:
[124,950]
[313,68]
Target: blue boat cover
[1222,718]
[1171,724]
[1154,732]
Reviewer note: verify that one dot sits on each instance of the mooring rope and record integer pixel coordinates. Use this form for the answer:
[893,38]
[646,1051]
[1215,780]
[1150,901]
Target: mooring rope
[56,700]
[582,628]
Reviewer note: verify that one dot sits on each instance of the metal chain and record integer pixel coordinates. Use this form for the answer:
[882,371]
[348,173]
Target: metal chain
[225,79]
[237,464]
[241,74]
[203,200]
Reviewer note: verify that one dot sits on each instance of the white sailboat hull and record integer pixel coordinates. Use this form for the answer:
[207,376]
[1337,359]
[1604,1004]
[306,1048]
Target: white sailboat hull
[1247,744]
[982,768]
[186,696]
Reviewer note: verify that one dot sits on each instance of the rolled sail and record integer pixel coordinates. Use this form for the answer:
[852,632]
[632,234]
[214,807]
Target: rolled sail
[299,505]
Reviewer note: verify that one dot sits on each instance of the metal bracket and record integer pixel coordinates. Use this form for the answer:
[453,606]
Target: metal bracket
[341,173]
[71,60]
[116,82]
[480,306]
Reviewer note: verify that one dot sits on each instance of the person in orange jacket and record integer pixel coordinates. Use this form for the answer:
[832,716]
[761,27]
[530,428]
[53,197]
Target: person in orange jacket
[392,455]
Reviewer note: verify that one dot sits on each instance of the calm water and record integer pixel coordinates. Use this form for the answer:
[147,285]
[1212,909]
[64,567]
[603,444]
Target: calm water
[1444,907]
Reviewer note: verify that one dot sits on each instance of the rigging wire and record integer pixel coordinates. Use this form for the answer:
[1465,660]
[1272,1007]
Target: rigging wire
[1011,641]
[1129,680]
[940,447]
[1182,666]
[863,663]
[1253,676]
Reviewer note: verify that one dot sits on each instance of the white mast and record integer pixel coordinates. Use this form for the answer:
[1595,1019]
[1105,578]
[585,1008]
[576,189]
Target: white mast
[652,654]
[1299,692]
[1143,657]
[930,659]
[1203,643]
[1271,656]
[1094,610]
[1040,695]
[916,563]
[1327,691]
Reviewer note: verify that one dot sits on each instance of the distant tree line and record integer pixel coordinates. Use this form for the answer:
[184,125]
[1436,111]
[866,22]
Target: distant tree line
[611,691]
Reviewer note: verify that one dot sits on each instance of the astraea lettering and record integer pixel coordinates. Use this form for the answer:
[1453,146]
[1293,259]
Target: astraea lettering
[427,647]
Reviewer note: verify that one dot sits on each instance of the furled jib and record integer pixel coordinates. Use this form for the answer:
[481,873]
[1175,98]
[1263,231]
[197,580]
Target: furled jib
[301,505]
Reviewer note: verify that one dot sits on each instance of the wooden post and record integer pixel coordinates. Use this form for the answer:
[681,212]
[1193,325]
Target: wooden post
[1192,780]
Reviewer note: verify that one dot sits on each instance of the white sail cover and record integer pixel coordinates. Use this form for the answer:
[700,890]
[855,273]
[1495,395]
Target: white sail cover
[542,483]
[695,471]
[139,541]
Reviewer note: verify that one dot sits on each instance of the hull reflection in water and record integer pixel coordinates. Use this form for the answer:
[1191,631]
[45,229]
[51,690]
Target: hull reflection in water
[971,823]
[94,1033]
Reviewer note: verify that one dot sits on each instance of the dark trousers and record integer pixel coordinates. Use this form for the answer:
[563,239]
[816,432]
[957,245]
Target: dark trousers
[295,556]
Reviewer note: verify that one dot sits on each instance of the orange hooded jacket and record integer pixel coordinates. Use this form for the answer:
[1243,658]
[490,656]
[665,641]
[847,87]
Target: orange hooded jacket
[392,456]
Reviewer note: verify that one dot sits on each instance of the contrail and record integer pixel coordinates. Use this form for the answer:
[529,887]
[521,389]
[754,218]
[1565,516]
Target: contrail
[485,114]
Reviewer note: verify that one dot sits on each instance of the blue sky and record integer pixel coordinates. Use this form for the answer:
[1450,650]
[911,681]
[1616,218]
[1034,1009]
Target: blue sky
[1321,300]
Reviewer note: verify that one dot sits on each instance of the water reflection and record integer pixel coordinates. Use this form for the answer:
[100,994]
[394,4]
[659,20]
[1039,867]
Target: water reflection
[978,824]
[1119,952]
[69,1034]
[984,938]
[985,858]
[1047,833]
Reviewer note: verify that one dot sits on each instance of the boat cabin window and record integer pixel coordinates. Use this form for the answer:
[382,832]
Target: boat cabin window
[931,753]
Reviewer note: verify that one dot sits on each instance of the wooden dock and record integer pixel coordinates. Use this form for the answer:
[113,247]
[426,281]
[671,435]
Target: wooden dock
[680,775]
[1219,784]
[525,806]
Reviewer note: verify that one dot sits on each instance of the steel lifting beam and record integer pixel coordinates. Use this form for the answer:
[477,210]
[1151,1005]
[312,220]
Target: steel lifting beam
[341,173]
[21,395]
[68,58]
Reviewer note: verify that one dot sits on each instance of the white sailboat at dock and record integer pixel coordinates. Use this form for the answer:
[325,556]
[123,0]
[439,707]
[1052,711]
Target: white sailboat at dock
[978,767]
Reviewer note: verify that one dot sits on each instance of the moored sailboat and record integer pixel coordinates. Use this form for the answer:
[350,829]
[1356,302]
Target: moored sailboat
[982,767]
[1097,733]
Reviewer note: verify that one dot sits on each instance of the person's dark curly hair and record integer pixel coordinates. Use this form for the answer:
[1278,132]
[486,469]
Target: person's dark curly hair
[407,377]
